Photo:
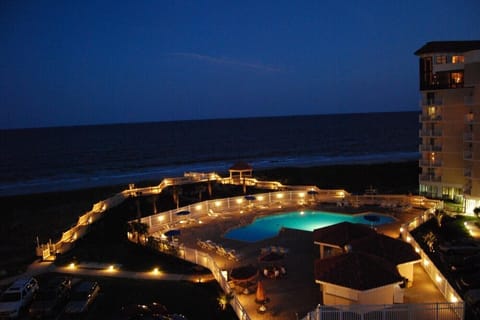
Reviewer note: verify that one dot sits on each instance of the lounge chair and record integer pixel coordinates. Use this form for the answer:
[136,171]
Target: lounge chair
[210,245]
[211,213]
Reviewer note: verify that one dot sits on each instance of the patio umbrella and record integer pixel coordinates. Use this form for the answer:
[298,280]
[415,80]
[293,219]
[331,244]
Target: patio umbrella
[260,295]
[183,213]
[250,197]
[172,233]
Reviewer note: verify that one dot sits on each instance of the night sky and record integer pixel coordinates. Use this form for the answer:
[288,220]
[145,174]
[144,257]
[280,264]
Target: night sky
[93,62]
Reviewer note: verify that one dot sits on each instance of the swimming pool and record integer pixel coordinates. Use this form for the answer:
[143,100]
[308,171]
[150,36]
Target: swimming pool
[269,226]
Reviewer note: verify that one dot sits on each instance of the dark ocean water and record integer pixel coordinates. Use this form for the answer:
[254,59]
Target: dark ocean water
[63,158]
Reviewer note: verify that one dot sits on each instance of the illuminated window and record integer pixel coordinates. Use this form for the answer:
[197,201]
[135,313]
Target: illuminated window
[432,111]
[470,116]
[457,59]
[441,59]
[457,77]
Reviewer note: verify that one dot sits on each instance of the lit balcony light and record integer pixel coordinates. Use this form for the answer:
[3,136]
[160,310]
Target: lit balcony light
[198,207]
[218,203]
[341,194]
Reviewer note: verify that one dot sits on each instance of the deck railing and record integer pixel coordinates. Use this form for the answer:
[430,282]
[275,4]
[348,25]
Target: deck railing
[431,311]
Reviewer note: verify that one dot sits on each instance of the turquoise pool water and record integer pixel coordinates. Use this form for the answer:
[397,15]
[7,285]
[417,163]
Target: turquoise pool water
[269,226]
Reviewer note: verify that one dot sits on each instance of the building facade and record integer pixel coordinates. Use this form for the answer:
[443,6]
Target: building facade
[450,121]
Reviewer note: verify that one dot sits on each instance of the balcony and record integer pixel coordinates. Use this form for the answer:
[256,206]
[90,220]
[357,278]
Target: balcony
[430,178]
[430,147]
[427,117]
[430,133]
[467,173]
[467,155]
[429,163]
[431,102]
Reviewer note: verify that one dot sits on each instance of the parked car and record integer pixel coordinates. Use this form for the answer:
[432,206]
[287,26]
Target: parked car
[83,295]
[51,298]
[17,297]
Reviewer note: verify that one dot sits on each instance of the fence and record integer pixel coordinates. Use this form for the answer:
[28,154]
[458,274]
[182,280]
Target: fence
[435,275]
[280,199]
[431,311]
[205,260]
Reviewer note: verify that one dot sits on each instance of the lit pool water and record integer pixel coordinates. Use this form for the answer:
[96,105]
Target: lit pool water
[269,226]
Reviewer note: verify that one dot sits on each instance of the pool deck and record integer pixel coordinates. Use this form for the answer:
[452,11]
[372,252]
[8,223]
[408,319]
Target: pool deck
[292,296]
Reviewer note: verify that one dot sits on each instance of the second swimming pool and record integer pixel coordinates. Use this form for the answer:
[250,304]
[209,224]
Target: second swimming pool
[269,226]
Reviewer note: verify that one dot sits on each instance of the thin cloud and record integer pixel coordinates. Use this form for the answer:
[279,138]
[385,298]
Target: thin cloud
[225,61]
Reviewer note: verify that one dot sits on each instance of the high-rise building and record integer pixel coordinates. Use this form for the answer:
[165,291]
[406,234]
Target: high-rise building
[450,121]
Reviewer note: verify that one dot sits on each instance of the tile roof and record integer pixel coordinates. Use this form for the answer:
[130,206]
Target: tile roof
[394,250]
[356,270]
[448,46]
[341,234]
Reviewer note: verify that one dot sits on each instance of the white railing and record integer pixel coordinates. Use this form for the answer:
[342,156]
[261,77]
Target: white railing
[431,311]
[280,199]
[205,260]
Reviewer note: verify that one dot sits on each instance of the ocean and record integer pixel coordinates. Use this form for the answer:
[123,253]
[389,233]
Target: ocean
[66,158]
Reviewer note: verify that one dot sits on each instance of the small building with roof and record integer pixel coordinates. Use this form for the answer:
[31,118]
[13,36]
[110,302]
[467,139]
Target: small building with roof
[358,278]
[239,171]
[333,239]
[358,265]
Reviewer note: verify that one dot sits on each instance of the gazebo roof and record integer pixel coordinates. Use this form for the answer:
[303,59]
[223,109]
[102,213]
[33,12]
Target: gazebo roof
[393,250]
[240,166]
[342,233]
[356,270]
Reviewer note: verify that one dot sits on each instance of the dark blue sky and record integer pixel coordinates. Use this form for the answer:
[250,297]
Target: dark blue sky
[90,62]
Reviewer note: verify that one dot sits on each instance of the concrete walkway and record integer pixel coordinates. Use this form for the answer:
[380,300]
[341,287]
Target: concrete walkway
[97,269]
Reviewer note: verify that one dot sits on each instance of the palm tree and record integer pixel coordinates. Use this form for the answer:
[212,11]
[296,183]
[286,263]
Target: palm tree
[476,211]
[200,189]
[138,229]
[177,191]
[224,299]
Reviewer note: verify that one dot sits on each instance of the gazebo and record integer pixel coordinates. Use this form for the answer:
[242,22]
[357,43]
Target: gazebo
[239,172]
